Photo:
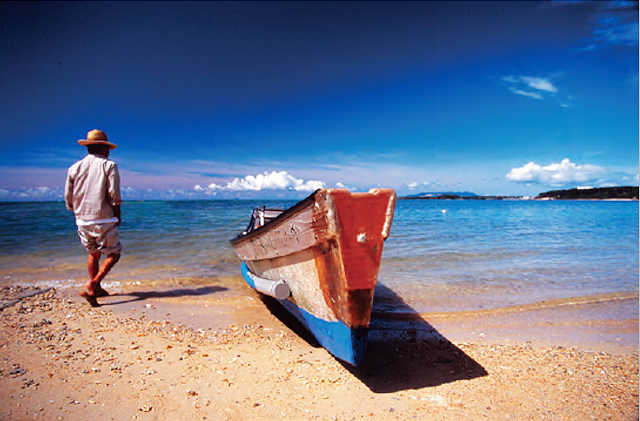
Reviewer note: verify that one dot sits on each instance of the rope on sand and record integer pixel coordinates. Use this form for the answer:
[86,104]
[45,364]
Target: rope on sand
[6,304]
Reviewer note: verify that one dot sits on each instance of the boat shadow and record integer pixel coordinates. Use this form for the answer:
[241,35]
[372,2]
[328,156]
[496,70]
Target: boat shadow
[404,351]
[134,296]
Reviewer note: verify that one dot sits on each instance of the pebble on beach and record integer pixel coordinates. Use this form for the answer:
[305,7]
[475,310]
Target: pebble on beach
[64,360]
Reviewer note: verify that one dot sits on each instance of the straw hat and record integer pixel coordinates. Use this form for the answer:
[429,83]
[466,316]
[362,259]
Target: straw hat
[97,137]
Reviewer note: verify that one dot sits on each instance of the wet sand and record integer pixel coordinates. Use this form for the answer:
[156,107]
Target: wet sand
[152,355]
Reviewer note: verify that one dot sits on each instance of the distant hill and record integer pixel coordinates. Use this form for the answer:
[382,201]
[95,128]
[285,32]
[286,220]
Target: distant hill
[440,195]
[625,192]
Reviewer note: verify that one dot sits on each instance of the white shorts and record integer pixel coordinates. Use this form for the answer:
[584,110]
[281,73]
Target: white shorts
[100,237]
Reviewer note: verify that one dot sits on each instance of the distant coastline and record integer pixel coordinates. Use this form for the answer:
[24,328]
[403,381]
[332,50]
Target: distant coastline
[605,193]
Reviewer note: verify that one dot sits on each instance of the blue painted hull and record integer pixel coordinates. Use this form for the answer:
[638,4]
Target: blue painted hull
[342,341]
[325,252]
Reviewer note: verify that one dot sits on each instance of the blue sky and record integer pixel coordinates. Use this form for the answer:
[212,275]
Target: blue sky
[275,99]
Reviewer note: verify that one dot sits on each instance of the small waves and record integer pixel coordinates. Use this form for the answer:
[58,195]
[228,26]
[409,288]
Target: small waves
[404,312]
[542,305]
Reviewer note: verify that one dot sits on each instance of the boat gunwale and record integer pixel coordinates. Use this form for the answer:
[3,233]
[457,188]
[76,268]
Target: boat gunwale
[283,216]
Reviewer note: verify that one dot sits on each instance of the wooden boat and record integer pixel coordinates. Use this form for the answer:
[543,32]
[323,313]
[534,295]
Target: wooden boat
[320,259]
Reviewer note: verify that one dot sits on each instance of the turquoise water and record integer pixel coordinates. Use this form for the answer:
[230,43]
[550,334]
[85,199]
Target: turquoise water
[467,255]
[441,255]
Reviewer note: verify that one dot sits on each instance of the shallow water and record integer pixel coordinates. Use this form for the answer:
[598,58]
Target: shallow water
[467,255]
[441,256]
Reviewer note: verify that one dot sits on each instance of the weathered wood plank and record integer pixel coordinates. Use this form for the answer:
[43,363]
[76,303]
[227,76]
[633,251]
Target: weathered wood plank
[328,250]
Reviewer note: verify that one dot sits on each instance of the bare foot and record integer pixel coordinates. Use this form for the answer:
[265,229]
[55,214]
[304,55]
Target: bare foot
[91,299]
[101,292]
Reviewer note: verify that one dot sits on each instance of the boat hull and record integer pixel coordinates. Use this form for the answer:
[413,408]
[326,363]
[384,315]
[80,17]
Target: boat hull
[327,249]
[344,342]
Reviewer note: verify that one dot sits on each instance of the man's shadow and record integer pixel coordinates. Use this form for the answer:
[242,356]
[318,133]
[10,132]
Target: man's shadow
[145,295]
[403,352]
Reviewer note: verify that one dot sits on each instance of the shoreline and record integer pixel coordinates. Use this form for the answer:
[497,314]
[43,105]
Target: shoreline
[139,360]
[601,322]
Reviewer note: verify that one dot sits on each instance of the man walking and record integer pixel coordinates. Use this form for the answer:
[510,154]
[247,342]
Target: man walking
[92,193]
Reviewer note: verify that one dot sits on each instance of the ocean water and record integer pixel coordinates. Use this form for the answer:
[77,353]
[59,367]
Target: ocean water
[441,256]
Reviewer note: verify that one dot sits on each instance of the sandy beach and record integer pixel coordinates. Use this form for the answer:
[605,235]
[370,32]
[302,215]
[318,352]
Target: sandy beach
[140,358]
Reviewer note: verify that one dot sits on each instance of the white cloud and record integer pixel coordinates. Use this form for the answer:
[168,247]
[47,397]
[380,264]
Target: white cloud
[413,185]
[525,93]
[539,83]
[533,87]
[565,172]
[214,186]
[280,180]
[36,194]
[617,23]
[617,33]
[425,184]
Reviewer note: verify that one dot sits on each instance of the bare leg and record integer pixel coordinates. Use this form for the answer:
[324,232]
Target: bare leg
[97,275]
[93,262]
[106,267]
[108,264]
